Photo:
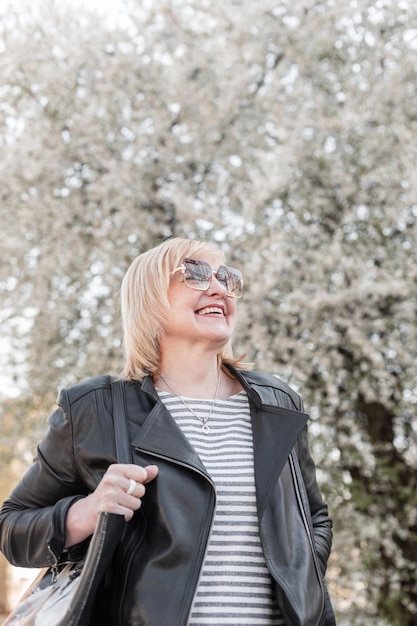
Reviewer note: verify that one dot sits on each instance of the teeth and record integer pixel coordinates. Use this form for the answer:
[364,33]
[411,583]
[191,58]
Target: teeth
[210,309]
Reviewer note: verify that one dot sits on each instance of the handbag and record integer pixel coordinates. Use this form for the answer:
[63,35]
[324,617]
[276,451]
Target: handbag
[65,596]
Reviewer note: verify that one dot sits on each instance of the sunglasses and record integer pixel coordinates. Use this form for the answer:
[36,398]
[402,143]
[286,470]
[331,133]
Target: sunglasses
[198,275]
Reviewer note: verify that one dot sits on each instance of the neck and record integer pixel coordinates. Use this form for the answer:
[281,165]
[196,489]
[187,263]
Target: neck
[189,378]
[171,388]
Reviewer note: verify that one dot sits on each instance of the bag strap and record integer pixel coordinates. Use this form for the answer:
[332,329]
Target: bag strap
[121,432]
[109,529]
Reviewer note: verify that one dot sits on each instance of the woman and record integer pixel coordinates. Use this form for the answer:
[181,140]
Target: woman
[226,521]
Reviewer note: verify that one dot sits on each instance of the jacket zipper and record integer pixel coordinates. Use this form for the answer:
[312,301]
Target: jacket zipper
[54,567]
[296,480]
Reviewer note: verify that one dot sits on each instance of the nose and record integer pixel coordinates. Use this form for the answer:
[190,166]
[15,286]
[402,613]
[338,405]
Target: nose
[216,287]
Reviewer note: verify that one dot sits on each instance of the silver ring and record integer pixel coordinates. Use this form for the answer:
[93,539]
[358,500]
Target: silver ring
[132,487]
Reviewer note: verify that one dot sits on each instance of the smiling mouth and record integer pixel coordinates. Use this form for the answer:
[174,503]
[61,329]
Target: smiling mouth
[211,310]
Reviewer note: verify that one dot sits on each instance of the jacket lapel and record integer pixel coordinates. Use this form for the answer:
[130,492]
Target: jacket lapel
[276,427]
[275,432]
[153,430]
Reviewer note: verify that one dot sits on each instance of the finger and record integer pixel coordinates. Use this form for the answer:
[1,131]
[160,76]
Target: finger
[151,473]
[133,488]
[134,472]
[140,474]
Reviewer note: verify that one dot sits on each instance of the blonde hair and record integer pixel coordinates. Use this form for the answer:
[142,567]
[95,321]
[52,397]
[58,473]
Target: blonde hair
[145,306]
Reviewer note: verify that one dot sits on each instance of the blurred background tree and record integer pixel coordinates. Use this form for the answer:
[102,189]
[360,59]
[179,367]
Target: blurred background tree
[286,133]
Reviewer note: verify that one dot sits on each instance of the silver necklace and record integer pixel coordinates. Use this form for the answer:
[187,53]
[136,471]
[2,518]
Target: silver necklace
[205,427]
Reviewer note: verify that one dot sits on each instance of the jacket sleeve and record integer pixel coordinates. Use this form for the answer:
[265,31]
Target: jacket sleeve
[32,518]
[321,522]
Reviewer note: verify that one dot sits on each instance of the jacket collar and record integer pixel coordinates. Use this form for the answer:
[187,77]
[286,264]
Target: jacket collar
[276,426]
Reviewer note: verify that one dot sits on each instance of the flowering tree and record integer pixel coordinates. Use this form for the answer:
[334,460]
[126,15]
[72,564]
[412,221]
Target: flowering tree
[286,133]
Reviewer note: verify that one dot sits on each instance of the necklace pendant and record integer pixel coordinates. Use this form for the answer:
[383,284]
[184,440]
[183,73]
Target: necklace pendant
[205,428]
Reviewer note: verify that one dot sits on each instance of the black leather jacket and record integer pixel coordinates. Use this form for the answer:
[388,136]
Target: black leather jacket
[160,556]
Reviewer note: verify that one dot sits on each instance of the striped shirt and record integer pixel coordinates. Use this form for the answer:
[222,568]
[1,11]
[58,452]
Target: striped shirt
[235,586]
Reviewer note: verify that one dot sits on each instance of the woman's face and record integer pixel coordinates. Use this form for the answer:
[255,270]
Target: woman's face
[206,317]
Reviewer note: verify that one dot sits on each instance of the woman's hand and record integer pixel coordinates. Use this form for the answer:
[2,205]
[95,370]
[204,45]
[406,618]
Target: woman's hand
[115,493]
